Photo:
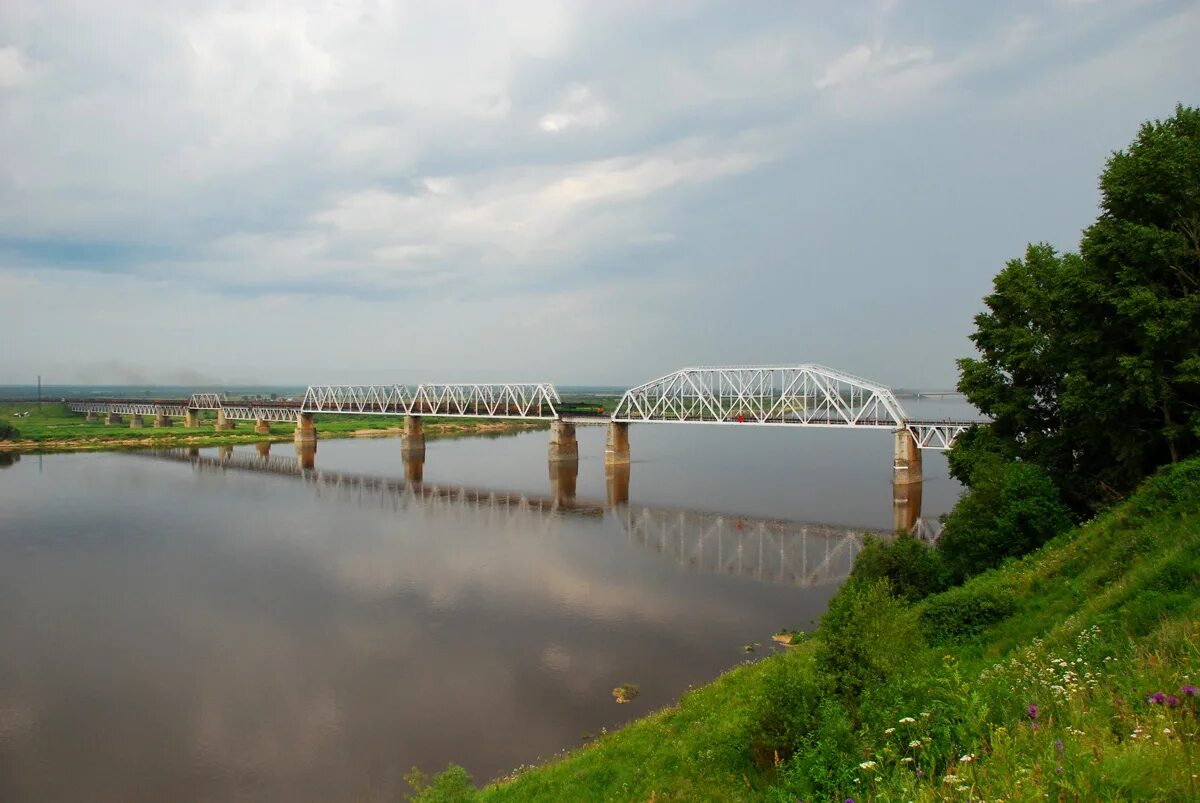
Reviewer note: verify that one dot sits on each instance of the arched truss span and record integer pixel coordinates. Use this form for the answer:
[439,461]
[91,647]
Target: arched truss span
[800,395]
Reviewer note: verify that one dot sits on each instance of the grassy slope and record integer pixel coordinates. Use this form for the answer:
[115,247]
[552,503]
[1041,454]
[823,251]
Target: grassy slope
[55,423]
[1103,617]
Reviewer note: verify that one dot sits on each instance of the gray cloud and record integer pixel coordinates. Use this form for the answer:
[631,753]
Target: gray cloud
[581,192]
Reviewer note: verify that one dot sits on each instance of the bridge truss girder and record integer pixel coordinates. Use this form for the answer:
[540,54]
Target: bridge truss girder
[455,400]
[796,395]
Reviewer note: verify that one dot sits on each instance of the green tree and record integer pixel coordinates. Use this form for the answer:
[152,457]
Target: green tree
[8,432]
[1011,509]
[1089,364]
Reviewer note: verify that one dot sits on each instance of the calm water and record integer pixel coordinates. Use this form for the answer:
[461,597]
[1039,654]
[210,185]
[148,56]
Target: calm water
[231,627]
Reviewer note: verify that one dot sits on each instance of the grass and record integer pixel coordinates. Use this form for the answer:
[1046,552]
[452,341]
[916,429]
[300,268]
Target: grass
[53,427]
[1049,696]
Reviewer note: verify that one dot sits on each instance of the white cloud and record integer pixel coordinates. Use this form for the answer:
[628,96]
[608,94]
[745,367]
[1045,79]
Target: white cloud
[12,67]
[577,108]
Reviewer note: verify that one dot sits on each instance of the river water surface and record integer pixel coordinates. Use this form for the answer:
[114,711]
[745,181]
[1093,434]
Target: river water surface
[234,625]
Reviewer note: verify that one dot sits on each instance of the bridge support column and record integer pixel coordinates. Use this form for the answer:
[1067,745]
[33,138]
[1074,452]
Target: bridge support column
[306,431]
[136,421]
[907,463]
[191,418]
[162,420]
[306,454]
[223,423]
[564,475]
[906,506]
[112,418]
[563,445]
[91,417]
[414,436]
[261,427]
[414,465]
[617,450]
[616,478]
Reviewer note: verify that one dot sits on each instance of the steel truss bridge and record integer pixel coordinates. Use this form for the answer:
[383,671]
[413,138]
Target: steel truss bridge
[773,551]
[803,395]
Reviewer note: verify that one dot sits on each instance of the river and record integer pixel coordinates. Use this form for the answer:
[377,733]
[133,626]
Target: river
[230,625]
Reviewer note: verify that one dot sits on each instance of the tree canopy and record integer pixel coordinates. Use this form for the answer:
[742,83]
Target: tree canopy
[1089,363]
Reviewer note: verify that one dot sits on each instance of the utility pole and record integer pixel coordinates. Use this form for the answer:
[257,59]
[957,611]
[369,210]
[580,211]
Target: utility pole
[39,391]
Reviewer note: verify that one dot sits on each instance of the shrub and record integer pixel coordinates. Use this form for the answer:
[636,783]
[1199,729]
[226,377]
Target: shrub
[824,764]
[866,636]
[8,432]
[913,569]
[452,786]
[963,613]
[787,709]
[1010,510]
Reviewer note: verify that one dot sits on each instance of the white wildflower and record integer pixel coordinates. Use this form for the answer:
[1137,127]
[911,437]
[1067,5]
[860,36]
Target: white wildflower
[907,721]
[867,765]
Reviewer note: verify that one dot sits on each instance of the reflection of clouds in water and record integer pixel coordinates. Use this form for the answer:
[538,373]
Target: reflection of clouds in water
[556,657]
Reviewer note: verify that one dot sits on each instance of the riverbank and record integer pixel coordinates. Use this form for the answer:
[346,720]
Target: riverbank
[1069,674]
[54,428]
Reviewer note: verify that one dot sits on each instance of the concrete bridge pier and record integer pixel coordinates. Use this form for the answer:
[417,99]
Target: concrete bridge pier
[112,418]
[414,436]
[162,420]
[906,506]
[907,463]
[564,475]
[91,417]
[261,427]
[306,431]
[414,465]
[617,450]
[616,478]
[306,454]
[191,418]
[563,445]
[223,422]
[136,421]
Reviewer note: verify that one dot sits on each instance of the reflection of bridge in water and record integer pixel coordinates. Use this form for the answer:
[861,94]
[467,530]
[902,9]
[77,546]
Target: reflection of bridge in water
[775,551]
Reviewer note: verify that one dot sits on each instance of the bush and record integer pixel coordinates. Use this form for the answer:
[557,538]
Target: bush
[8,432]
[913,569]
[963,613]
[452,786]
[866,636]
[1010,510]
[787,709]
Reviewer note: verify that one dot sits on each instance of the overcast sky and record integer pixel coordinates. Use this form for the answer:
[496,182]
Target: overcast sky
[575,192]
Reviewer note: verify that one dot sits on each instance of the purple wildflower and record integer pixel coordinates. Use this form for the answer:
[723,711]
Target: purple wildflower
[1189,690]
[920,774]
[1033,726]
[1058,746]
[1032,711]
[1158,699]
[1172,701]
[1059,770]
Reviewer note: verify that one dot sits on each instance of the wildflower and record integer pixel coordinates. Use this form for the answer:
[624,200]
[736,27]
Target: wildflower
[1172,701]
[906,760]
[1189,690]
[1032,711]
[920,773]
[914,743]
[1058,745]
[927,715]
[1157,699]
[907,721]
[1058,770]
[1033,726]
[1167,731]
[890,731]
[867,765]
[849,800]
[950,779]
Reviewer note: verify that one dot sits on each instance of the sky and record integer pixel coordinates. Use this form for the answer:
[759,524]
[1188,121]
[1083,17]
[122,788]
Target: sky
[194,191]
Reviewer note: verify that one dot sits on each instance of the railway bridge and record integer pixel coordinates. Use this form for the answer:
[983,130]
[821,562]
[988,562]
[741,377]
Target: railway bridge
[786,396]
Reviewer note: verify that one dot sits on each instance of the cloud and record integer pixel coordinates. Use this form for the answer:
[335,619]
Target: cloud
[12,67]
[577,108]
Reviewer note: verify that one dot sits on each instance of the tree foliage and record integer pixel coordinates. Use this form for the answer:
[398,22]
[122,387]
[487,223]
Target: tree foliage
[1089,363]
[1011,509]
[8,432]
